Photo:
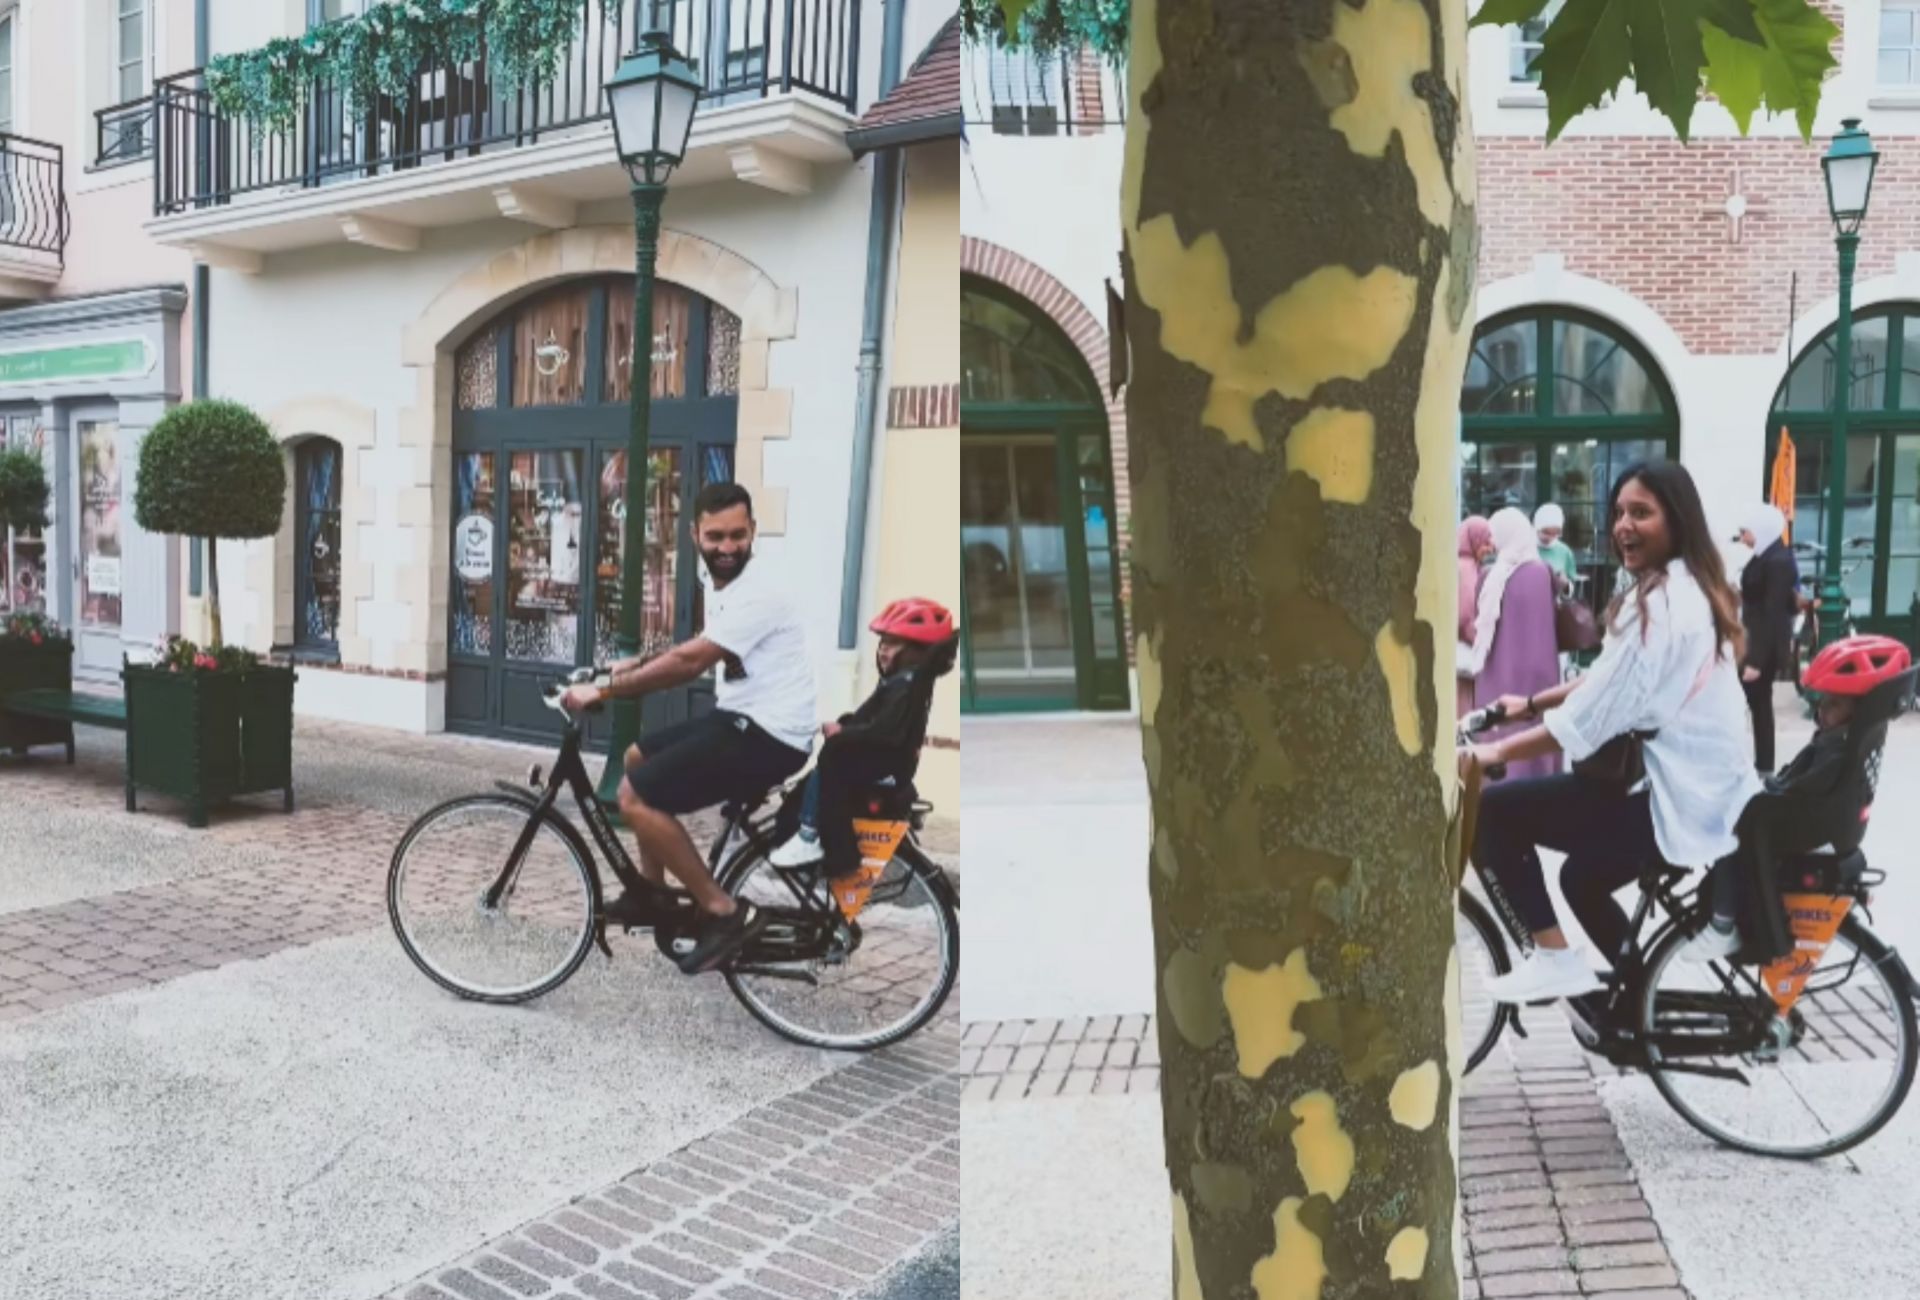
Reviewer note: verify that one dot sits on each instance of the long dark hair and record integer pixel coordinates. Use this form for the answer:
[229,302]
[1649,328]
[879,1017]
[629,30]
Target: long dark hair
[1686,518]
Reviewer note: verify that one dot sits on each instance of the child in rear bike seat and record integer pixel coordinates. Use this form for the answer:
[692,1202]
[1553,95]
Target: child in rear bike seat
[1798,801]
[879,742]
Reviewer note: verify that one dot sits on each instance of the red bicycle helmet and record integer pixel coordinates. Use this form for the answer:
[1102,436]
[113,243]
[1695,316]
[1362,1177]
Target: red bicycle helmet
[926,622]
[1855,665]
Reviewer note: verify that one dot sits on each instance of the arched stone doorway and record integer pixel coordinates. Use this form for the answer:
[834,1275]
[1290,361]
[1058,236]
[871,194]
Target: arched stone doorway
[1039,533]
[539,467]
[1881,525]
[1555,404]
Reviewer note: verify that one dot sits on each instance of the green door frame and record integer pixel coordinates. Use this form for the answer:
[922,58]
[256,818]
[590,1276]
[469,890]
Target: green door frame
[1895,416]
[1098,684]
[1545,426]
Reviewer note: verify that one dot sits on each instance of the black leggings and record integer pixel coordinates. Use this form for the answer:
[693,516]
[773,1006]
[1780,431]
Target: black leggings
[1606,835]
[1760,701]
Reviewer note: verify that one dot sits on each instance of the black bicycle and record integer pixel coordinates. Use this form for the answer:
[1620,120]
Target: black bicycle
[498,898]
[1729,1045]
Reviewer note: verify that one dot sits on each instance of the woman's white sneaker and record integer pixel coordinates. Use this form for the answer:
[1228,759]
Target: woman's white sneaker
[1546,973]
[799,851]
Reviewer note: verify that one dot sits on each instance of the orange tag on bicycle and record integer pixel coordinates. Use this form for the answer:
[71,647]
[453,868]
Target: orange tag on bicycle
[878,841]
[1815,919]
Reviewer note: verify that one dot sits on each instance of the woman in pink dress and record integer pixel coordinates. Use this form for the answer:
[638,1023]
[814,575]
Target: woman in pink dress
[1514,650]
[1475,547]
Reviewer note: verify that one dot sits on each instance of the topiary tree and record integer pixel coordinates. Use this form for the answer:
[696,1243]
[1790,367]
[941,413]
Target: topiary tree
[23,490]
[211,469]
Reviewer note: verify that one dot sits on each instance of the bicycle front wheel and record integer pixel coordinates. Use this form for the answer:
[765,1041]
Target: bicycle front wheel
[1812,1083]
[474,927]
[1483,955]
[861,984]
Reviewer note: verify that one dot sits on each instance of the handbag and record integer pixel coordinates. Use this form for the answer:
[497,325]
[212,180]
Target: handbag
[1574,629]
[1620,763]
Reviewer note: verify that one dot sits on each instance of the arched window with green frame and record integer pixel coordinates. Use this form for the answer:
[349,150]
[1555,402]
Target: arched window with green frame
[1555,404]
[1041,626]
[1881,526]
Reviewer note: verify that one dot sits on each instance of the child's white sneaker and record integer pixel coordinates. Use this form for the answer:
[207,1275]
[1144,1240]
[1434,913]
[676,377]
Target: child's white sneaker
[799,851]
[1710,945]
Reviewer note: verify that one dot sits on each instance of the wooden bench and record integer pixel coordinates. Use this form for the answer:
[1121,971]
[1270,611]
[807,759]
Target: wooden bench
[105,711]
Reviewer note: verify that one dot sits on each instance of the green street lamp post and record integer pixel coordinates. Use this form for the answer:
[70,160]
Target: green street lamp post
[1849,165]
[652,98]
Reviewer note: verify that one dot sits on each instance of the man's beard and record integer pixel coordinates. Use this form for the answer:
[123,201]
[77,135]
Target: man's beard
[722,571]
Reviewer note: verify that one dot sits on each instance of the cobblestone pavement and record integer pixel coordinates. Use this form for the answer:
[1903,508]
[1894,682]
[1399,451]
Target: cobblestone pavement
[826,1192]
[1552,1204]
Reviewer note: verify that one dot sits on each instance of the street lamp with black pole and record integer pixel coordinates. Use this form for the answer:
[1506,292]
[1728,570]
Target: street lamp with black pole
[1849,166]
[652,97]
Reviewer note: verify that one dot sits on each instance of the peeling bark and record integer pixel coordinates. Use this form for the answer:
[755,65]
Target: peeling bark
[1298,208]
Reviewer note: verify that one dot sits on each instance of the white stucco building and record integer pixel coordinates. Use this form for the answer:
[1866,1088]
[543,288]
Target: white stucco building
[431,303]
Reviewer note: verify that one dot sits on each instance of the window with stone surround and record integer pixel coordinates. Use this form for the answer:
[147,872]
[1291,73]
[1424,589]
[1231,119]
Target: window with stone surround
[1899,58]
[1524,45]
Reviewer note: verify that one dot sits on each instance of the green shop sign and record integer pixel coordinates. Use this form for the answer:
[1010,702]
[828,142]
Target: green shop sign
[120,359]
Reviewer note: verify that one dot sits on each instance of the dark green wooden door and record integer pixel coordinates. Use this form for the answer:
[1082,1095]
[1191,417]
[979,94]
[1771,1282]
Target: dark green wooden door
[539,492]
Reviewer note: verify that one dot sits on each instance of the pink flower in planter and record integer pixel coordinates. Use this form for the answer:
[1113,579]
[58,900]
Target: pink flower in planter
[205,661]
[37,638]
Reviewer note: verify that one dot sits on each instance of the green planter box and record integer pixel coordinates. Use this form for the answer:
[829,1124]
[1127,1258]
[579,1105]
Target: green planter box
[205,737]
[25,666]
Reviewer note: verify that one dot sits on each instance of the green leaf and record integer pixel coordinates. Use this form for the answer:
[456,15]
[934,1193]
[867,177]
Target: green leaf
[1799,52]
[1504,13]
[1733,74]
[1012,11]
[1667,57]
[1583,57]
[1734,17]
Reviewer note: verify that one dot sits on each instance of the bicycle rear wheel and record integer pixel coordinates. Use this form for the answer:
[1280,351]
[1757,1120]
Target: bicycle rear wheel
[864,983]
[1824,1078]
[507,949]
[1483,955]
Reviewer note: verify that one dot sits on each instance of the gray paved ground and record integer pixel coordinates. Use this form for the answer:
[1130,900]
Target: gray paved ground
[224,1079]
[1062,1106]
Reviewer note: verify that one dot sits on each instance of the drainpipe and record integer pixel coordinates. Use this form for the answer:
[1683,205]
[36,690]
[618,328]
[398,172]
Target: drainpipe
[881,223]
[202,279]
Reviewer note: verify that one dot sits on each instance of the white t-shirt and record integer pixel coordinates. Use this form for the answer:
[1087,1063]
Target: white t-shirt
[751,619]
[1700,766]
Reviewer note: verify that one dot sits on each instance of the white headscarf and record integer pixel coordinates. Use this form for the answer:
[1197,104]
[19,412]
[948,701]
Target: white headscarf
[1518,544]
[1767,524]
[1549,516]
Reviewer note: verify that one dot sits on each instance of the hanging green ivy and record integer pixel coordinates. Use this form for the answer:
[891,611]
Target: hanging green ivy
[1050,27]
[384,50]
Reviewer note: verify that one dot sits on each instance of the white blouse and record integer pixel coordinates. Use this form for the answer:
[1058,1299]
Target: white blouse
[1700,766]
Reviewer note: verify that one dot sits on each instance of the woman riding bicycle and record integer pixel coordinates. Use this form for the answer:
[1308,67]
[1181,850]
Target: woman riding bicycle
[1667,675]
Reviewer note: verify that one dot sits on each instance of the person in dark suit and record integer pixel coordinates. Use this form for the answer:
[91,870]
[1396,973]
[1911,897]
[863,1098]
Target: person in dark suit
[1768,587]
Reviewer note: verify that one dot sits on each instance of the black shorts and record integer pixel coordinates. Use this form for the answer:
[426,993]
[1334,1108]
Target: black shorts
[709,761]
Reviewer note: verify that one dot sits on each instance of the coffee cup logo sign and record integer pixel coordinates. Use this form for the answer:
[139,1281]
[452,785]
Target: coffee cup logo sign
[473,548]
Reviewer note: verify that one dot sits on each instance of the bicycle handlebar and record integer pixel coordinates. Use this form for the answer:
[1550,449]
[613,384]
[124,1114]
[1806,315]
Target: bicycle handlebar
[1482,720]
[553,695]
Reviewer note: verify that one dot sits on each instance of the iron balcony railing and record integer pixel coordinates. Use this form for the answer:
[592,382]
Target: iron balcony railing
[124,133]
[1014,92]
[33,196]
[744,49]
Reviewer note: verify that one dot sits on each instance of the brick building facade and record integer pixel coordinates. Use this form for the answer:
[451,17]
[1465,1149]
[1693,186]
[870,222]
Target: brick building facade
[1708,266]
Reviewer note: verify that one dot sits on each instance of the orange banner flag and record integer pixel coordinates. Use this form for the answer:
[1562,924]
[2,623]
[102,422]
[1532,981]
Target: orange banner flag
[1785,471]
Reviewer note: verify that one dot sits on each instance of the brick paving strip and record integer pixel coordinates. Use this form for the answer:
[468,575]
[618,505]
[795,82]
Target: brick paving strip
[1552,1204]
[317,874]
[815,1196]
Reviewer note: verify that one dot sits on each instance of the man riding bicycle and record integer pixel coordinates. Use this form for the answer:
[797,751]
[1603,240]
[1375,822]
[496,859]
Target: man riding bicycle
[759,734]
